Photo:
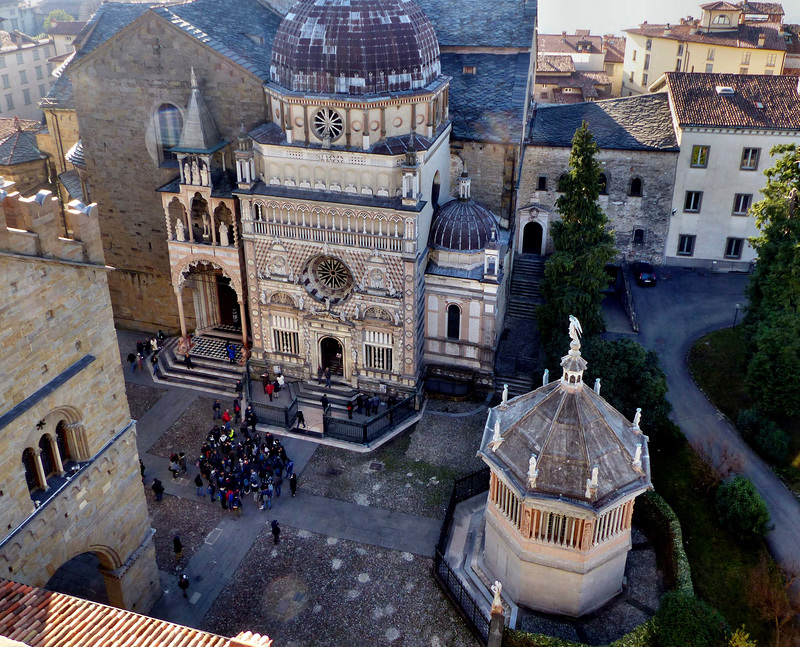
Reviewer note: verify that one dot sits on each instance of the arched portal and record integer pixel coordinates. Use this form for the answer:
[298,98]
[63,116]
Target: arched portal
[532,238]
[331,355]
[81,576]
[435,190]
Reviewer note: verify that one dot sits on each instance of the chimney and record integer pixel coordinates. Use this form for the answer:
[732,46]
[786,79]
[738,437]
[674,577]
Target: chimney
[667,29]
[563,37]
[761,39]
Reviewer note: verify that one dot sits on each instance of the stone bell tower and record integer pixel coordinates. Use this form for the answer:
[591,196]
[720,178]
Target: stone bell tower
[566,468]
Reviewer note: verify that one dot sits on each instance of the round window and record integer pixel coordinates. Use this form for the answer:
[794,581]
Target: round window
[327,278]
[328,124]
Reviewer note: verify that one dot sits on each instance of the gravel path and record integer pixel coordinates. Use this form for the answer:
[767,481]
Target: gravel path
[190,520]
[412,473]
[189,431]
[318,590]
[141,398]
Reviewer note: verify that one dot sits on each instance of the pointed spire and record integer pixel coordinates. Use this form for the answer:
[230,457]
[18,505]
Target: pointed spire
[200,133]
[464,185]
[573,364]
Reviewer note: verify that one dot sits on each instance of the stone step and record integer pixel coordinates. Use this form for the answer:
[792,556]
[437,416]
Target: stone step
[522,310]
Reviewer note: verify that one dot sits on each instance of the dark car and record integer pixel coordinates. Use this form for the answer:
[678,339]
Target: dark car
[645,274]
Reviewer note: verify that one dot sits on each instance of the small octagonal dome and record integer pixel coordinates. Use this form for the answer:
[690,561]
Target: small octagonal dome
[462,225]
[355,47]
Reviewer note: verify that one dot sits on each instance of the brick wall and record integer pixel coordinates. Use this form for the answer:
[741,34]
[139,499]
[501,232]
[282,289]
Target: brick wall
[491,168]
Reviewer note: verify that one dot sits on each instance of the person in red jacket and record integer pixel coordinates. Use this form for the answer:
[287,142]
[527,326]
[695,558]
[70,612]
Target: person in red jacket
[226,419]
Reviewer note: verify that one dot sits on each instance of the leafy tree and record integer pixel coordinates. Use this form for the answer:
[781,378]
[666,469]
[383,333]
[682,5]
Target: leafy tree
[742,509]
[58,15]
[765,434]
[740,638]
[772,323]
[630,377]
[574,275]
[684,620]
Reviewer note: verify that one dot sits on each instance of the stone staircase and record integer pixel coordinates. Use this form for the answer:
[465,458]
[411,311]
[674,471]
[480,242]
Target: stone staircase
[525,294]
[209,374]
[310,394]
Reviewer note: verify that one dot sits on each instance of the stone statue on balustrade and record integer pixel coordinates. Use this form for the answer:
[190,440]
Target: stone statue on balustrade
[206,227]
[195,173]
[204,174]
[223,235]
[180,233]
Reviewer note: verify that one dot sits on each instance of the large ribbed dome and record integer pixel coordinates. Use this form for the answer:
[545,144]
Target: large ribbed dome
[462,225]
[355,47]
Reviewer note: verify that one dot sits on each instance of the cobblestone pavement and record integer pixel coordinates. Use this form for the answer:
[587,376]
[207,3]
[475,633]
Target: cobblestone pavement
[189,432]
[141,398]
[413,473]
[316,590]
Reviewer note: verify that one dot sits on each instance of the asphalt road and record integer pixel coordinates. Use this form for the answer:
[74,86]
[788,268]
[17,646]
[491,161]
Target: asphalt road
[681,308]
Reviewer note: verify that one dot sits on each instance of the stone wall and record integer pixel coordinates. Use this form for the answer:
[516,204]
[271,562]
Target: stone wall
[28,176]
[58,344]
[61,135]
[118,89]
[649,213]
[492,170]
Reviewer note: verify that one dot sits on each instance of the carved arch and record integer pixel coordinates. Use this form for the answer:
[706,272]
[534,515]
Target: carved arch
[185,264]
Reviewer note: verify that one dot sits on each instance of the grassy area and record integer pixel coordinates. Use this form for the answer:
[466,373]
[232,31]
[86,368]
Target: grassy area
[717,362]
[726,574]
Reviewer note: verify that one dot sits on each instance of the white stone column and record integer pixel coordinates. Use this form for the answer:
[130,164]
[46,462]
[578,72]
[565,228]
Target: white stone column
[59,466]
[244,323]
[181,316]
[37,453]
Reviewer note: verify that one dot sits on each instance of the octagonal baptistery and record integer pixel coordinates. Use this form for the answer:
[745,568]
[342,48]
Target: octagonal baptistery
[565,470]
[355,47]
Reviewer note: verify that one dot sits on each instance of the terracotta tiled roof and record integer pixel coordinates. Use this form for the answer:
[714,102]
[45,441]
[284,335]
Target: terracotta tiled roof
[791,35]
[771,102]
[719,6]
[554,63]
[743,36]
[568,44]
[615,49]
[764,8]
[40,618]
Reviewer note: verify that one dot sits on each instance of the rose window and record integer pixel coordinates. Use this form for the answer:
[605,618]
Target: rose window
[326,278]
[328,124]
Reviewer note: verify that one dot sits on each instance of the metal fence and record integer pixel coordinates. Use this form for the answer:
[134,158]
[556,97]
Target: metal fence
[271,414]
[353,431]
[463,489]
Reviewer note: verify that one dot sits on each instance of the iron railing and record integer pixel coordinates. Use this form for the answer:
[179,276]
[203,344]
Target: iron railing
[363,433]
[271,414]
[463,489]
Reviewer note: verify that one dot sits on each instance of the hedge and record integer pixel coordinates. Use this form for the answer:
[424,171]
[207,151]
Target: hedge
[663,528]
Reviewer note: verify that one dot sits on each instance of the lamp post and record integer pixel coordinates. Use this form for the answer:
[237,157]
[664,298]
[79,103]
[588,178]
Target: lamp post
[736,314]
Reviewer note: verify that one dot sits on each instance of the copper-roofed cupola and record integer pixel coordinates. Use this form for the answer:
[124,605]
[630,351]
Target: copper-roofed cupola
[566,467]
[355,47]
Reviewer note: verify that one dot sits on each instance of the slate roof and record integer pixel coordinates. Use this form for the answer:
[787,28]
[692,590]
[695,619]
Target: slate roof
[642,123]
[791,35]
[487,106]
[72,183]
[75,155]
[20,147]
[476,23]
[570,429]
[745,35]
[66,28]
[758,101]
[475,273]
[462,226]
[9,125]
[40,618]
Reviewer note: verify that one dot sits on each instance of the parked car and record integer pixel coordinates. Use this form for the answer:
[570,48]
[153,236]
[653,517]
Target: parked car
[645,274]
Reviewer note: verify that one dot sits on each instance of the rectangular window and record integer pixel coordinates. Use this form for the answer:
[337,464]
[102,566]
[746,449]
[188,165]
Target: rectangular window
[36,55]
[771,58]
[647,61]
[686,245]
[23,76]
[745,58]
[285,334]
[469,69]
[699,157]
[9,102]
[741,203]
[680,49]
[633,57]
[743,70]
[733,248]
[542,184]
[378,350]
[769,72]
[750,159]
[692,201]
[649,44]
[42,90]
[49,69]
[2,61]
[638,236]
[47,52]
[644,79]
[26,96]
[711,53]
[709,68]
[19,58]
[6,82]
[678,65]
[39,75]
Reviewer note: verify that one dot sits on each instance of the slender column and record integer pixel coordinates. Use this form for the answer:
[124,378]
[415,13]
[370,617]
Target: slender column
[37,453]
[76,442]
[213,222]
[188,213]
[178,296]
[56,455]
[244,322]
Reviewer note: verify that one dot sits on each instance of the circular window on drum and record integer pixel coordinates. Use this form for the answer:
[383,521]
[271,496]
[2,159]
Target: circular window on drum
[326,278]
[328,124]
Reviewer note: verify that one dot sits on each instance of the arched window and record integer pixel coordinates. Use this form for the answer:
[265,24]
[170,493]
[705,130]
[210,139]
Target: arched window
[62,442]
[48,464]
[561,184]
[29,463]
[721,19]
[602,181]
[638,236]
[636,188]
[170,124]
[435,188]
[453,322]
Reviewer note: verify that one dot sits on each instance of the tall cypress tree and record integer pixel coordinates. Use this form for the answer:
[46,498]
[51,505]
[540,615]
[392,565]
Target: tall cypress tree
[772,324]
[574,275]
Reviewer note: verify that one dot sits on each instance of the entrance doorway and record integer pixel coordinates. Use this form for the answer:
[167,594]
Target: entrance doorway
[80,577]
[228,303]
[532,238]
[331,354]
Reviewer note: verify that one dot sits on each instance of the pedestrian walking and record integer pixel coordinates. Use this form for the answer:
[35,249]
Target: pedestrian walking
[270,491]
[183,584]
[239,388]
[161,337]
[265,380]
[212,490]
[140,360]
[231,353]
[320,375]
[350,410]
[324,401]
[281,381]
[198,481]
[278,483]
[154,345]
[237,410]
[177,546]
[289,468]
[139,347]
[276,530]
[141,467]
[226,419]
[301,420]
[132,362]
[173,466]
[156,367]
[188,362]
[158,489]
[216,408]
[367,406]
[293,484]
[270,390]
[328,377]
[359,403]
[182,462]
